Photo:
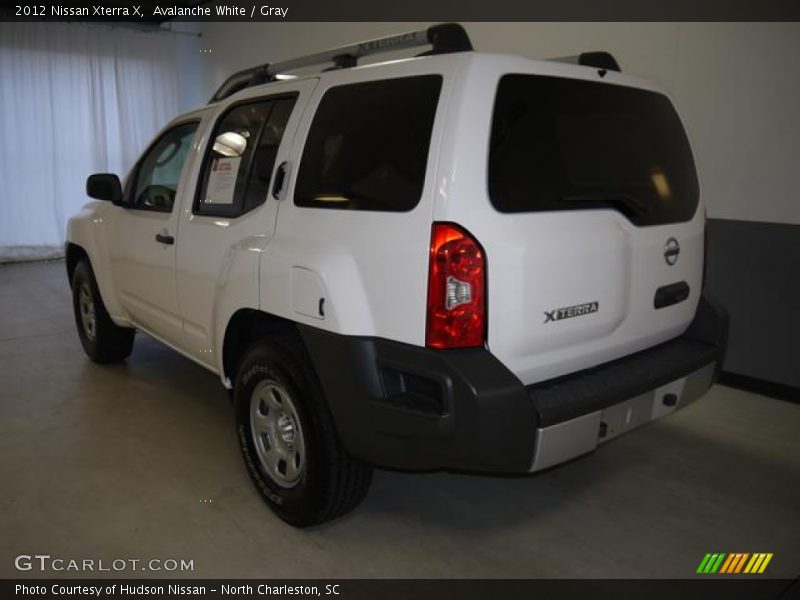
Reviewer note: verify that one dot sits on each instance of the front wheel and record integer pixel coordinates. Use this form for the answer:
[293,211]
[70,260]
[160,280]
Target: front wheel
[288,440]
[103,340]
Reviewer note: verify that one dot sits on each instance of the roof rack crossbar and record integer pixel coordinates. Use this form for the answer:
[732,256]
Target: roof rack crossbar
[444,38]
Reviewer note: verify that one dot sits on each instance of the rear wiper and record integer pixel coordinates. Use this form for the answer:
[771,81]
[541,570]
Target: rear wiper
[626,200]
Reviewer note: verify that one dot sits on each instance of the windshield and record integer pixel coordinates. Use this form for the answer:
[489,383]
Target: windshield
[565,144]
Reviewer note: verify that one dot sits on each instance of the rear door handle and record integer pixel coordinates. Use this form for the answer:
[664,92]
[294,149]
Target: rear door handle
[165,239]
[280,180]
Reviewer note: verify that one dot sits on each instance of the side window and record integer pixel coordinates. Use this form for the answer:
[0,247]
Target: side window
[237,170]
[368,145]
[160,169]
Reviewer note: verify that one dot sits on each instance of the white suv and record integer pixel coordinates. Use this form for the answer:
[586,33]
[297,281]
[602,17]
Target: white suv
[458,260]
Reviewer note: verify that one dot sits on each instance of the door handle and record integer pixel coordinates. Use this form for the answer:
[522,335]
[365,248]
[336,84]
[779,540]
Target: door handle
[280,179]
[671,294]
[165,239]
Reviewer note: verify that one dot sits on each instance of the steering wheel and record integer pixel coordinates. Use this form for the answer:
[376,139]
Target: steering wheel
[171,151]
[158,196]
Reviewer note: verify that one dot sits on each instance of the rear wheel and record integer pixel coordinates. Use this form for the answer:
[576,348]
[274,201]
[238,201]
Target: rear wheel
[102,339]
[288,440]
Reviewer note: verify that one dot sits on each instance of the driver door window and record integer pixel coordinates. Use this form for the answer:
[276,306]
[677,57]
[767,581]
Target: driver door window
[160,170]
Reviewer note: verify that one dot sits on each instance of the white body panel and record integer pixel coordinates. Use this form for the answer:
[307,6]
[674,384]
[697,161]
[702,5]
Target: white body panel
[371,268]
[144,271]
[136,273]
[89,230]
[373,265]
[540,261]
[218,257]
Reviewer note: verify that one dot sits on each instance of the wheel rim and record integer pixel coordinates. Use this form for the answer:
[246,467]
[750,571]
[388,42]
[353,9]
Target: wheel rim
[277,433]
[86,308]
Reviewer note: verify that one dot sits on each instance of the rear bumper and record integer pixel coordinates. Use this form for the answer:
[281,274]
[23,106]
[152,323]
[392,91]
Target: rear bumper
[406,407]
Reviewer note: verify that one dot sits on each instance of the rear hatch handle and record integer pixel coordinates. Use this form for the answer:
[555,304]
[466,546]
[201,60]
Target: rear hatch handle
[673,293]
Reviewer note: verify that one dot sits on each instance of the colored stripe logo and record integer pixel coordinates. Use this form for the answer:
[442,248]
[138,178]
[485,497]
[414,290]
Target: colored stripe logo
[734,563]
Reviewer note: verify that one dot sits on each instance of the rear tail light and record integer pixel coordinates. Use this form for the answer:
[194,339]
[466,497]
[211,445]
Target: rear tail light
[456,289]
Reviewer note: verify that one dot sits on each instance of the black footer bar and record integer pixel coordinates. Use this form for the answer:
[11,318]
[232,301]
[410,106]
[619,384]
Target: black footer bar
[731,588]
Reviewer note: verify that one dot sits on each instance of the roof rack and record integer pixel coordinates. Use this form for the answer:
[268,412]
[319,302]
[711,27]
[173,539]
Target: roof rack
[445,38]
[598,60]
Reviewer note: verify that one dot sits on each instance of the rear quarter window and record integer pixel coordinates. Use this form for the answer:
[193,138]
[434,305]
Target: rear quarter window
[566,144]
[367,148]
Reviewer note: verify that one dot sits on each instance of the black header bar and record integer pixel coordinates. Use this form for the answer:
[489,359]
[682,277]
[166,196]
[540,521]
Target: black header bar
[404,10]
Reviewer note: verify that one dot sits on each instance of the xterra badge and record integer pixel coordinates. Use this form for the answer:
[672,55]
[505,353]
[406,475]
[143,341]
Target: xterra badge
[571,311]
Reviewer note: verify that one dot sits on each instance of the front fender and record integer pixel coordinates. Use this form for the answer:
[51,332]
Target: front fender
[89,229]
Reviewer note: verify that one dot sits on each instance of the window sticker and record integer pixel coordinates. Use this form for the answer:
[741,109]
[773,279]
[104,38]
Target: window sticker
[222,180]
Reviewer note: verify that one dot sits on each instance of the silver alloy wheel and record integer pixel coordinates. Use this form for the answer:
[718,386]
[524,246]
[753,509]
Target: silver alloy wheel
[277,433]
[86,307]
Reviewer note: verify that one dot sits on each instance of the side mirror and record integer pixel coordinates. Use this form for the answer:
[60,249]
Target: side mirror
[104,186]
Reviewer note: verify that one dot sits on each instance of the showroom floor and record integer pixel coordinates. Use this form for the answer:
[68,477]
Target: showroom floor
[139,461]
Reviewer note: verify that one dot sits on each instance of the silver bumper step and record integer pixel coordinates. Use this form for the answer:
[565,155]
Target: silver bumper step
[564,441]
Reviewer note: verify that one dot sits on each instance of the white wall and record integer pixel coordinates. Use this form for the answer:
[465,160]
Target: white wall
[737,85]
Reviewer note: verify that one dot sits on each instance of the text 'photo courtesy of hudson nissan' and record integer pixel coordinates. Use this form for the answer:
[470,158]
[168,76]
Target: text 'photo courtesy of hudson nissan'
[456,260]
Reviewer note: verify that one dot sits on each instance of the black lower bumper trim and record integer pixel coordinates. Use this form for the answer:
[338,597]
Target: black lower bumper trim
[407,407]
[594,389]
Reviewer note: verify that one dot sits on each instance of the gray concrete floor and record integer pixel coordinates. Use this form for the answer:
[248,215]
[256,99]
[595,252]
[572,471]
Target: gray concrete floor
[115,462]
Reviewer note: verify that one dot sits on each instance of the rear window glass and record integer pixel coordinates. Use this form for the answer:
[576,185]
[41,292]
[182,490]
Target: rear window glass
[367,148]
[239,164]
[562,144]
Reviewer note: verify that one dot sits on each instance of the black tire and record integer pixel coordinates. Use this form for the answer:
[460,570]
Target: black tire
[105,341]
[330,483]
